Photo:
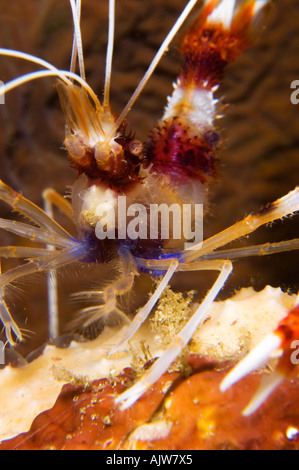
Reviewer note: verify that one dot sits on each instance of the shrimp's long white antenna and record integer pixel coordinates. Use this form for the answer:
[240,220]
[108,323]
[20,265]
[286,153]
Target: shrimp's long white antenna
[35,60]
[153,64]
[74,46]
[109,53]
[48,73]
[77,43]
[62,74]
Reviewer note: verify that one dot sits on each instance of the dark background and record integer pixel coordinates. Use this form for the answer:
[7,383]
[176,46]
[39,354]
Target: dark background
[259,157]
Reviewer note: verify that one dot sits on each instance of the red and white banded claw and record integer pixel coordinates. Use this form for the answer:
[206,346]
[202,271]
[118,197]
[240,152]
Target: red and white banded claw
[281,342]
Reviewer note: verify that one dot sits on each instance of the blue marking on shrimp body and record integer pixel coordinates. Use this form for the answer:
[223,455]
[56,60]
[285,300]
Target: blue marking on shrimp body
[140,263]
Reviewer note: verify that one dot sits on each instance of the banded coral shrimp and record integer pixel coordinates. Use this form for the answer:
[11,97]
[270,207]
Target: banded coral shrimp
[266,219]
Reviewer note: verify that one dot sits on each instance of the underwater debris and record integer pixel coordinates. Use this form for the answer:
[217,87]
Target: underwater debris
[171,314]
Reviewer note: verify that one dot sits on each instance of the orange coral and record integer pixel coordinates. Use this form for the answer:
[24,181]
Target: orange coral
[197,414]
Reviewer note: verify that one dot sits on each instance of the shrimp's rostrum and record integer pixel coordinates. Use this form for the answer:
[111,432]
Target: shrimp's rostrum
[115,170]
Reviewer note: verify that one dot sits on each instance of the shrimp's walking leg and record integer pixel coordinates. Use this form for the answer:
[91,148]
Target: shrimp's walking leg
[22,252]
[180,340]
[6,318]
[50,233]
[255,250]
[147,308]
[283,207]
[53,197]
[108,296]
[50,261]
[52,291]
[35,234]
[22,205]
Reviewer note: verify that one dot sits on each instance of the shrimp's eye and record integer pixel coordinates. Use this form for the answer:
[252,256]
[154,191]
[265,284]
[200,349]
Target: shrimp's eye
[212,138]
[135,147]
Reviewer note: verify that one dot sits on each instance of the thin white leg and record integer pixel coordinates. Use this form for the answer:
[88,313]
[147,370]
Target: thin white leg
[285,206]
[52,287]
[254,250]
[147,308]
[22,205]
[34,234]
[179,341]
[22,252]
[59,201]
[50,261]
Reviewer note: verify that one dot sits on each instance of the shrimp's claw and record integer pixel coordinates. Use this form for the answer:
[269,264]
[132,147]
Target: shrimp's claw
[220,34]
[230,16]
[10,325]
[183,144]
[280,342]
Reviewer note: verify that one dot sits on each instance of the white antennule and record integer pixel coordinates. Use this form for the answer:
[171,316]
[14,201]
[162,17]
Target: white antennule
[153,65]
[109,53]
[77,50]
